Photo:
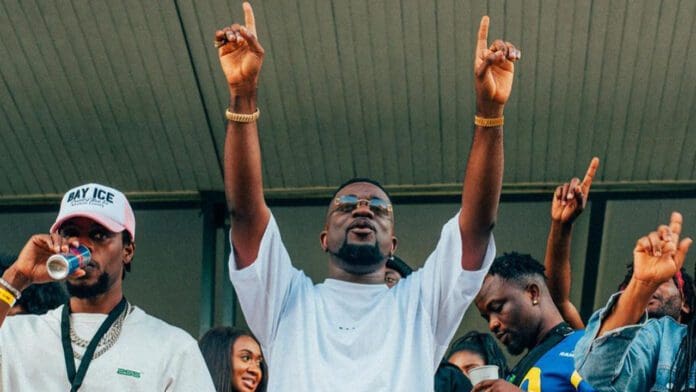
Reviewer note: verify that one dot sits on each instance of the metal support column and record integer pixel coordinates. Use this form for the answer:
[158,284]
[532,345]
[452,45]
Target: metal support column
[592,256]
[207,297]
[229,298]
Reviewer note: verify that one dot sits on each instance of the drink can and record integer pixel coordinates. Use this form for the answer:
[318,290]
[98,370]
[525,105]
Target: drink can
[61,265]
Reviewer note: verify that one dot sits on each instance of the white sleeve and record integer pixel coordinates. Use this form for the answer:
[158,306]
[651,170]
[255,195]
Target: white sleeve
[447,289]
[187,371]
[263,286]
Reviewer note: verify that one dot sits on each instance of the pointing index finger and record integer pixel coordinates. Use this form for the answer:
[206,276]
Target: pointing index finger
[249,21]
[675,223]
[482,43]
[589,176]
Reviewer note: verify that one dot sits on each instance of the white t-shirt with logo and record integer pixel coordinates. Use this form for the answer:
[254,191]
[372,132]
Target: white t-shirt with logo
[341,336]
[149,355]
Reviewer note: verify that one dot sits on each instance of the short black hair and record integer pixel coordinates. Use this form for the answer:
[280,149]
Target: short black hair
[37,298]
[484,345]
[517,267]
[360,179]
[399,265]
[687,289]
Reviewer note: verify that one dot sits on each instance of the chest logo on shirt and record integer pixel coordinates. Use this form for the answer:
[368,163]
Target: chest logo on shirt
[128,373]
[342,328]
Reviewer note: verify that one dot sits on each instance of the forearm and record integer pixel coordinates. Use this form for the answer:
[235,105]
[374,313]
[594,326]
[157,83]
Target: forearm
[557,265]
[630,306]
[244,182]
[557,261]
[17,281]
[481,194]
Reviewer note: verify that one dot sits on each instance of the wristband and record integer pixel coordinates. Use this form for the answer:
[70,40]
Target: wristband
[7,297]
[16,293]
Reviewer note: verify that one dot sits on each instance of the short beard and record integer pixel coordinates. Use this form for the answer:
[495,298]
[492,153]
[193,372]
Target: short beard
[515,349]
[515,346]
[89,291]
[359,259]
[671,307]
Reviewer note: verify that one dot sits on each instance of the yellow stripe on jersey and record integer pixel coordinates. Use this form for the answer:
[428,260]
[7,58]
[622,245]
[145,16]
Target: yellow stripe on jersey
[575,379]
[533,377]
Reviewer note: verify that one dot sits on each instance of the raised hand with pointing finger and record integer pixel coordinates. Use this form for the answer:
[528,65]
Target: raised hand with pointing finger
[659,255]
[494,70]
[241,55]
[570,199]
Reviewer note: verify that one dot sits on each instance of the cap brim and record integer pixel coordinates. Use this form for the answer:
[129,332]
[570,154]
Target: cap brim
[110,224]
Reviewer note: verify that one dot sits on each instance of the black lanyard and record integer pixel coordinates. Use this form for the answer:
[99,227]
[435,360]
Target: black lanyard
[76,378]
[552,338]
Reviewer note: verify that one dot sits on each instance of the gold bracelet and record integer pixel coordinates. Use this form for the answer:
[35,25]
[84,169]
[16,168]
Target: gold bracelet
[489,122]
[7,297]
[241,117]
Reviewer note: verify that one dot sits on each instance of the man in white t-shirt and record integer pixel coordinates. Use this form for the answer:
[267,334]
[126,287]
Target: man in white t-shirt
[351,332]
[98,341]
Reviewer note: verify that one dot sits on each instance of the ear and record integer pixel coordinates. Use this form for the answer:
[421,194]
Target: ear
[534,293]
[685,308]
[395,243]
[323,240]
[128,252]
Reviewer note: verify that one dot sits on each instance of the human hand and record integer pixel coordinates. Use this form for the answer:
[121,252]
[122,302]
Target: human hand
[30,266]
[570,199]
[240,53]
[494,386]
[493,70]
[659,255]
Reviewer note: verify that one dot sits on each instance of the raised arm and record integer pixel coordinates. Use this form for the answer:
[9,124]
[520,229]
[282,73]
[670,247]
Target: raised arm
[30,267]
[656,258]
[569,201]
[241,57]
[493,74]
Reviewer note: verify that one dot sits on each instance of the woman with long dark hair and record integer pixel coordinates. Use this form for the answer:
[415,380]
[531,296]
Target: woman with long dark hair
[234,359]
[469,351]
[477,349]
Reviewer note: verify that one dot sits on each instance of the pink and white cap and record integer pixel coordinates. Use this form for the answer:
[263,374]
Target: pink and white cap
[104,205]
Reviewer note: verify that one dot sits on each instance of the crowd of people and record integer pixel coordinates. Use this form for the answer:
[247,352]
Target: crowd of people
[374,324]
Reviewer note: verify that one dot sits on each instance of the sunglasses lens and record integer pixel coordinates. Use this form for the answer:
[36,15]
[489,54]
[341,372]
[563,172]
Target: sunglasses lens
[379,206]
[347,203]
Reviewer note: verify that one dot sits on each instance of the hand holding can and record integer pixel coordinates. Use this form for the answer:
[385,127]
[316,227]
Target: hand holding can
[61,265]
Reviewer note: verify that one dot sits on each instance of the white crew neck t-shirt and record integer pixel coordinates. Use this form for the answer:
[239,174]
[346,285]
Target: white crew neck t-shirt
[341,336]
[149,355]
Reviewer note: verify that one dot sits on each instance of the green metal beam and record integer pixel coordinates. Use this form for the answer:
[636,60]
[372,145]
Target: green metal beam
[207,289]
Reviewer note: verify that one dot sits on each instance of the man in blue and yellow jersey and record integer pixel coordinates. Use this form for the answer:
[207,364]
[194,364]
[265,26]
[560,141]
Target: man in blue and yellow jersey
[516,302]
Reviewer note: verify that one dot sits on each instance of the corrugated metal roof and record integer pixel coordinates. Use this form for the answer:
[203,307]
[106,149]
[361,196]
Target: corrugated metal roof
[130,93]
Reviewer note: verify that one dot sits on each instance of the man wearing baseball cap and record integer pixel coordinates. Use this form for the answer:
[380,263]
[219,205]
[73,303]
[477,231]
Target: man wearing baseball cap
[98,341]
